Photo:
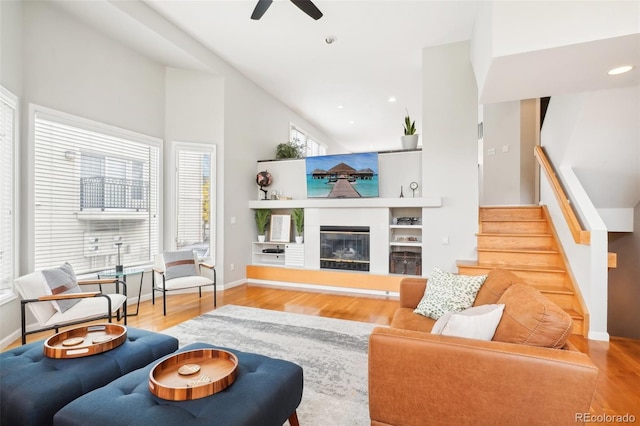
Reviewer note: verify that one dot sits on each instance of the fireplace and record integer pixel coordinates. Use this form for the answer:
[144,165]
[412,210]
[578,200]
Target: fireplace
[344,247]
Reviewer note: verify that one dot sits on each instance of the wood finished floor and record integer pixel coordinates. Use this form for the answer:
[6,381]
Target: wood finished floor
[617,393]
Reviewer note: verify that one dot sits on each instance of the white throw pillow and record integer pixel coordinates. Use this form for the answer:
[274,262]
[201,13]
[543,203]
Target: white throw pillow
[61,280]
[448,292]
[479,322]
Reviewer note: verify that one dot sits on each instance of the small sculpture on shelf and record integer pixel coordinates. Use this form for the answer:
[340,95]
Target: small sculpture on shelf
[264,179]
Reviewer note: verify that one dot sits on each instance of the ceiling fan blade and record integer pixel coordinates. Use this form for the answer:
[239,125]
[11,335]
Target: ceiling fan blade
[260,9]
[309,8]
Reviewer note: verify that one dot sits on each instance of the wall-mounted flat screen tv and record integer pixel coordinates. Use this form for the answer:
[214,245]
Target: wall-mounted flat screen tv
[342,176]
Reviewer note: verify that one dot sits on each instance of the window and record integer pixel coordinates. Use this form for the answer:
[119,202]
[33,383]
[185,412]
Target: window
[94,185]
[309,146]
[195,189]
[8,172]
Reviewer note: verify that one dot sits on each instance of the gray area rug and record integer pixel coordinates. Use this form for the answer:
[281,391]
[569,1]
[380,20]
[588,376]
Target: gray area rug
[332,353]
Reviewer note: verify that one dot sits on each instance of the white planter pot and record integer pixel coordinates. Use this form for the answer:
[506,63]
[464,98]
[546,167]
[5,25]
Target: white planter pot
[299,239]
[261,238]
[409,141]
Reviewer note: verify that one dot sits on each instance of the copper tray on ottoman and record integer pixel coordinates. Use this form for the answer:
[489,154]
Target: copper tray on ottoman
[193,374]
[85,341]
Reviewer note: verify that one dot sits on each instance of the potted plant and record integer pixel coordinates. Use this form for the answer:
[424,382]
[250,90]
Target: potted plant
[263,216]
[298,220]
[288,150]
[410,138]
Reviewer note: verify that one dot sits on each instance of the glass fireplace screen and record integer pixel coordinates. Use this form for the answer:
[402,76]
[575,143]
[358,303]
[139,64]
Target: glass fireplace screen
[344,247]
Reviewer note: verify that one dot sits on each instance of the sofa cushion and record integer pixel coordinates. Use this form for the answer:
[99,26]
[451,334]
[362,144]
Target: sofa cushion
[497,282]
[406,319]
[448,292]
[530,318]
[478,322]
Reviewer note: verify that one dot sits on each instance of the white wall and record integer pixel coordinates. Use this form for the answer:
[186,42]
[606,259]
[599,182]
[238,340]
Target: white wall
[598,135]
[508,164]
[449,154]
[501,170]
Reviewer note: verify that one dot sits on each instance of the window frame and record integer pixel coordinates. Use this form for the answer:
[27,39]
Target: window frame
[210,148]
[13,101]
[322,147]
[90,125]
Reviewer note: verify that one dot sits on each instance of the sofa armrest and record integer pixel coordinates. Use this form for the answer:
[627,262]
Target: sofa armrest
[416,378]
[411,291]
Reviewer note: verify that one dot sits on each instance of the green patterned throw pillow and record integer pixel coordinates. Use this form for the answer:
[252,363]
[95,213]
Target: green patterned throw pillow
[448,292]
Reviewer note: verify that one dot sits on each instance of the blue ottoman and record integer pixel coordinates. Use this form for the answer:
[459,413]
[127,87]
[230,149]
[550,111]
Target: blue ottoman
[266,392]
[35,387]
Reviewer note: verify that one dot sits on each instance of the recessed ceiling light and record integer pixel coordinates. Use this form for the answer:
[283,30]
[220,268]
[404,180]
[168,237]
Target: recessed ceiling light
[351,122]
[340,106]
[330,39]
[620,70]
[392,99]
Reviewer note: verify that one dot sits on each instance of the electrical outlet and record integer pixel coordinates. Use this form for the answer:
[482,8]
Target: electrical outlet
[444,240]
[232,267]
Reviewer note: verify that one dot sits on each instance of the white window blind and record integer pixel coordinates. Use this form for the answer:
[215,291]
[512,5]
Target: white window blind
[94,185]
[309,146]
[194,198]
[8,133]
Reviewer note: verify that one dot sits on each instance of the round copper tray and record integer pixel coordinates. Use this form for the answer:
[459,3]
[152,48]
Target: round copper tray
[216,372]
[85,341]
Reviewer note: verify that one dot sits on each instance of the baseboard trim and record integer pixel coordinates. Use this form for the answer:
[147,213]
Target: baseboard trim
[322,288]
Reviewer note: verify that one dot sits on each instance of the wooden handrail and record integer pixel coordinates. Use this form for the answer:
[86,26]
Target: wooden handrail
[580,236]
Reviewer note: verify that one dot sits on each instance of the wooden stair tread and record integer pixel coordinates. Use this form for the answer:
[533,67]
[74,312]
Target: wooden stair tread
[513,219]
[545,288]
[498,234]
[574,314]
[531,251]
[476,264]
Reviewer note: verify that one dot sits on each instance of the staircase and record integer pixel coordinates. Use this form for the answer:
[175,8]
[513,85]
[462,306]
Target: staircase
[522,240]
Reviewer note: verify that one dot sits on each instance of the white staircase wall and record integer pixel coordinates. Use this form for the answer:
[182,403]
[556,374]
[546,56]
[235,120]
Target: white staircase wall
[597,134]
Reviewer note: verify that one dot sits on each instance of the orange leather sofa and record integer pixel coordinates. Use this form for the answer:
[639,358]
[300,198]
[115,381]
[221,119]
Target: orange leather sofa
[418,378]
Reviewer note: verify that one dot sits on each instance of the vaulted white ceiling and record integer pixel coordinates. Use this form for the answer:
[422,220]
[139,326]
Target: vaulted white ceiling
[344,88]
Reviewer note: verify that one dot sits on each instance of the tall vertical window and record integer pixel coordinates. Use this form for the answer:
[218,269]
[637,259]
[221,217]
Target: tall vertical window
[309,146]
[8,170]
[195,196]
[95,185]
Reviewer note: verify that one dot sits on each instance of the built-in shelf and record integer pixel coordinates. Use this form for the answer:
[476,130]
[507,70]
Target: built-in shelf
[333,203]
[406,244]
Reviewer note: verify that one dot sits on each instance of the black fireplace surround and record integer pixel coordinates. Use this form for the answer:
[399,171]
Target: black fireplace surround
[344,247]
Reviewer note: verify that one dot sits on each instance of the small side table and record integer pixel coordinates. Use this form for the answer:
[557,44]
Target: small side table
[111,273]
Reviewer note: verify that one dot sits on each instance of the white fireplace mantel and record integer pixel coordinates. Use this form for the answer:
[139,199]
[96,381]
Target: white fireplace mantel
[335,203]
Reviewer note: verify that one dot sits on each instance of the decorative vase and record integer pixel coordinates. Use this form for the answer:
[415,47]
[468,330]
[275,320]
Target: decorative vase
[409,141]
[299,239]
[261,238]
